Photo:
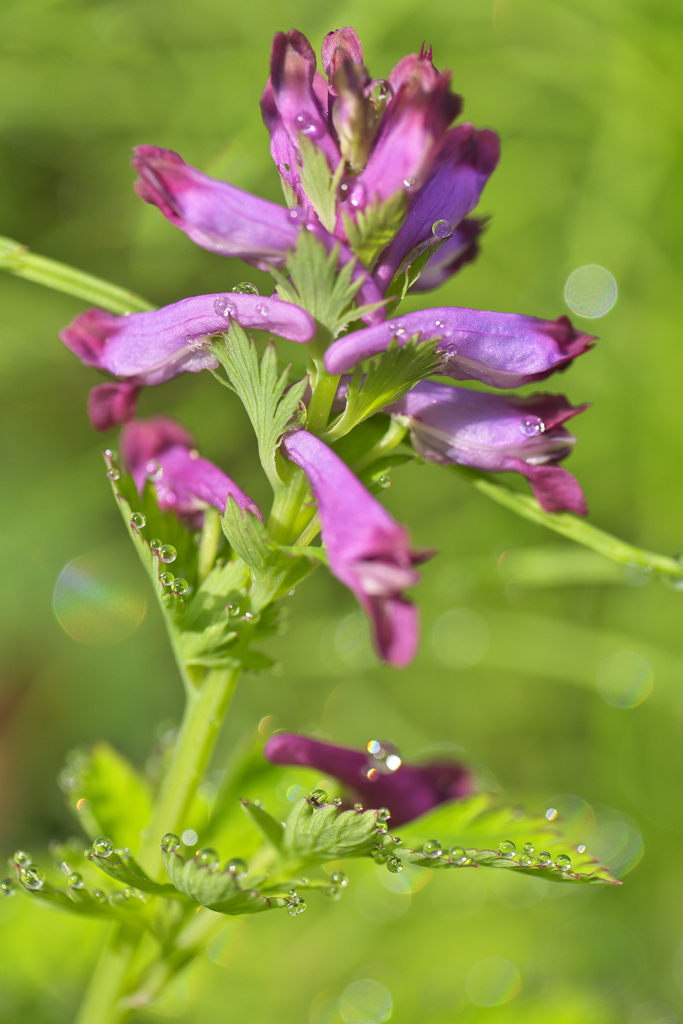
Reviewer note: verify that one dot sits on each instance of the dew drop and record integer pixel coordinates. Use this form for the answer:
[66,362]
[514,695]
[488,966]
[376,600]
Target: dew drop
[409,183]
[32,877]
[531,426]
[206,858]
[306,126]
[524,859]
[394,865]
[337,801]
[507,848]
[155,545]
[76,881]
[432,848]
[381,91]
[296,906]
[339,878]
[22,859]
[358,807]
[383,815]
[333,892]
[457,854]
[113,474]
[8,887]
[544,858]
[246,287]
[170,843]
[442,229]
[103,846]
[179,586]
[318,797]
[528,847]
[563,862]
[99,896]
[166,578]
[223,306]
[237,868]
[383,481]
[262,310]
[138,521]
[167,553]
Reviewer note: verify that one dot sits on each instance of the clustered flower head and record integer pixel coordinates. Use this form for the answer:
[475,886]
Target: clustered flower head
[351,151]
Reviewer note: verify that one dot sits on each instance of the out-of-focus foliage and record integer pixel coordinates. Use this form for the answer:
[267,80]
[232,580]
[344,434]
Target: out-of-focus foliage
[559,672]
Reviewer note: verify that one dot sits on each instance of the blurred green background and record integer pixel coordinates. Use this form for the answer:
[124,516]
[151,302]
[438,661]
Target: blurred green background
[558,672]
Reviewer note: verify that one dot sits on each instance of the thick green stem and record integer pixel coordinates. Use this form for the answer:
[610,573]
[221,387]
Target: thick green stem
[324,391]
[17,259]
[101,1004]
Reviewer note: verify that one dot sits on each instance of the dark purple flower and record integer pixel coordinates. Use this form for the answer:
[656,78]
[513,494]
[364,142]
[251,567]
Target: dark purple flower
[110,404]
[163,451]
[215,215]
[367,549]
[462,168]
[406,790]
[461,248]
[505,350]
[494,433]
[151,347]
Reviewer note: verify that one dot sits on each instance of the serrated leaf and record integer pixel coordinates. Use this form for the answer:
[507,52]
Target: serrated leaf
[83,902]
[370,230]
[319,184]
[271,829]
[326,833]
[387,377]
[121,866]
[118,801]
[218,890]
[269,401]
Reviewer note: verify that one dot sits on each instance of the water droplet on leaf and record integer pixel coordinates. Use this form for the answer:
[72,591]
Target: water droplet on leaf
[394,865]
[457,854]
[166,578]
[113,474]
[237,868]
[170,843]
[318,797]
[442,229]
[138,521]
[155,544]
[383,815]
[179,586]
[339,878]
[507,848]
[528,847]
[103,846]
[76,881]
[32,877]
[544,858]
[246,287]
[206,858]
[563,862]
[432,848]
[22,859]
[8,887]
[167,553]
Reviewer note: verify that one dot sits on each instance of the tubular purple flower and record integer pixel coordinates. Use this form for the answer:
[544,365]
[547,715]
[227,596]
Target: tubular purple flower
[367,549]
[163,451]
[407,791]
[151,347]
[297,91]
[495,433]
[461,248]
[338,46]
[504,350]
[462,168]
[110,404]
[215,215]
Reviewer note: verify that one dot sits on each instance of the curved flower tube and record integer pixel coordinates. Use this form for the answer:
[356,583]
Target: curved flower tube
[162,450]
[215,215]
[367,549]
[504,350]
[495,433]
[113,403]
[406,790]
[151,347]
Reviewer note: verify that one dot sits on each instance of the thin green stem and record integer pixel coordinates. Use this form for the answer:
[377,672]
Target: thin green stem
[17,259]
[287,505]
[101,1004]
[573,527]
[324,391]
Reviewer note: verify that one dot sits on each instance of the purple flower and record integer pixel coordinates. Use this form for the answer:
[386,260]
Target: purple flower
[110,404]
[151,347]
[367,549]
[462,168]
[494,433]
[505,350]
[462,247]
[406,790]
[163,451]
[215,215]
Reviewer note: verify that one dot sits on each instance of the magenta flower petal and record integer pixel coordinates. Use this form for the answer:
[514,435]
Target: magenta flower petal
[407,792]
[111,404]
[495,433]
[154,346]
[215,215]
[162,450]
[504,350]
[458,250]
[367,549]
[342,44]
[461,170]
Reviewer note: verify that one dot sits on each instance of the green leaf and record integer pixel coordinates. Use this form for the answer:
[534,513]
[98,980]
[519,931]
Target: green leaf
[110,797]
[270,403]
[221,891]
[408,273]
[271,829]
[85,903]
[323,832]
[481,832]
[317,283]
[318,182]
[370,230]
[120,865]
[387,377]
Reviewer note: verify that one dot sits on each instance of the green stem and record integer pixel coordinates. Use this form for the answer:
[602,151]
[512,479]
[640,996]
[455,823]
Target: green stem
[17,259]
[573,527]
[324,391]
[101,1004]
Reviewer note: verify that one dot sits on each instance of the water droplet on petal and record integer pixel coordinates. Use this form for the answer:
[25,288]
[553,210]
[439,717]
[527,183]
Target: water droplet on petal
[432,848]
[246,287]
[507,848]
[262,310]
[223,306]
[170,843]
[531,426]
[318,797]
[307,126]
[206,858]
[167,553]
[103,846]
[442,229]
[32,877]
[409,184]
